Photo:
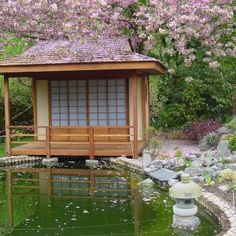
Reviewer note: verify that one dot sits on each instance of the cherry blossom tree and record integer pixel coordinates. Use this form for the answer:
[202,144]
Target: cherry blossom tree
[166,28]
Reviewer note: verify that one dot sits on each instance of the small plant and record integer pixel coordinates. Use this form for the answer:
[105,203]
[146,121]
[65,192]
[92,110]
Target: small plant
[197,130]
[178,153]
[228,175]
[208,180]
[232,125]
[218,179]
[188,163]
[232,142]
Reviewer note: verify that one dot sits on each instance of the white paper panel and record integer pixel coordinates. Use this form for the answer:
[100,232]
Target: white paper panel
[93,122]
[102,122]
[74,122]
[83,122]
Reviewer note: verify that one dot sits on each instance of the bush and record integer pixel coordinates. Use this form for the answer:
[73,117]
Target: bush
[232,142]
[232,125]
[228,175]
[197,130]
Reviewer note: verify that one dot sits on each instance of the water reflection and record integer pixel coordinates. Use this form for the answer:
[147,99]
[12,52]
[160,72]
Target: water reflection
[65,201]
[61,198]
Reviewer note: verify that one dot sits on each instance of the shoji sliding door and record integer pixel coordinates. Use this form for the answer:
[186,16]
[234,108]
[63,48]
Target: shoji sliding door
[95,102]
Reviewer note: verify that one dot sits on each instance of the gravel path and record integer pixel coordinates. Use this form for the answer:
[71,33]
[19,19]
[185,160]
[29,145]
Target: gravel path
[169,147]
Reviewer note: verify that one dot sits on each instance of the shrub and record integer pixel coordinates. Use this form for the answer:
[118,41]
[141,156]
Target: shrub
[197,130]
[228,175]
[232,125]
[232,142]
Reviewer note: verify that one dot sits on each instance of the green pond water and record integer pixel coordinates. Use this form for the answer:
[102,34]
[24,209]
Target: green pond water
[85,201]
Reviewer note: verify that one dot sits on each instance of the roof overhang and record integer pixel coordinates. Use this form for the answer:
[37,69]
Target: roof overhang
[151,67]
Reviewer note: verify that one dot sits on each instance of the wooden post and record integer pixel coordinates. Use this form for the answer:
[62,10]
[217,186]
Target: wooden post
[7,116]
[144,109]
[91,143]
[135,114]
[48,142]
[34,108]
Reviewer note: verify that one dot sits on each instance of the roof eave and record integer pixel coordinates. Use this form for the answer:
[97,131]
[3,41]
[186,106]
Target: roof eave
[150,67]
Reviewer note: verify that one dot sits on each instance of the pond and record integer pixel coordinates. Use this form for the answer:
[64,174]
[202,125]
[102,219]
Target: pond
[74,200]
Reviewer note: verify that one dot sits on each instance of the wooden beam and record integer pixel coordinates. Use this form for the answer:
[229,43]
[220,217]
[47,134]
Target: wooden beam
[7,115]
[135,114]
[151,67]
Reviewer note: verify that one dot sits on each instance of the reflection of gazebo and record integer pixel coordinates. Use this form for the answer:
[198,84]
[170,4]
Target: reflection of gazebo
[84,186]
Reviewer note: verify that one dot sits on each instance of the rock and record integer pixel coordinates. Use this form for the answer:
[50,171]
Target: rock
[223,149]
[50,161]
[193,171]
[148,170]
[191,157]
[231,166]
[213,171]
[172,182]
[198,178]
[209,141]
[223,188]
[197,163]
[146,183]
[156,164]
[171,164]
[89,162]
[163,175]
[146,159]
[224,130]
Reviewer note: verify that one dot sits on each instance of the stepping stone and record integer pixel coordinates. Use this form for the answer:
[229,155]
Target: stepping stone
[163,175]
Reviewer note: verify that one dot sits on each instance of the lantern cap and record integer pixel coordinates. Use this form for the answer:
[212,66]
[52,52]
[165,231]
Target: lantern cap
[186,189]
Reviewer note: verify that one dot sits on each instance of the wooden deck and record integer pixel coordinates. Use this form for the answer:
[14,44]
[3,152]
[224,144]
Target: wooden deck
[79,150]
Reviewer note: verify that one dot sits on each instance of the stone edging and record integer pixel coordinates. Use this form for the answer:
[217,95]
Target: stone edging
[219,208]
[15,160]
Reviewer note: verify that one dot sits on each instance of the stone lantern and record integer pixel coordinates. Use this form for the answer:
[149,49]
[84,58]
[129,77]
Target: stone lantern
[184,193]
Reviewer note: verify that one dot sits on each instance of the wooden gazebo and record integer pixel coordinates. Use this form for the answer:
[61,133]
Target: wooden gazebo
[90,98]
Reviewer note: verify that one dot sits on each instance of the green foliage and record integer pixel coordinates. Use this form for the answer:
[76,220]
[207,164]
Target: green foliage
[208,180]
[232,142]
[190,94]
[232,125]
[178,153]
[20,88]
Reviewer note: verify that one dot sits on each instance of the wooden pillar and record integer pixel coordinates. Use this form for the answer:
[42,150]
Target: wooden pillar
[144,108]
[34,108]
[135,115]
[91,143]
[7,116]
[48,141]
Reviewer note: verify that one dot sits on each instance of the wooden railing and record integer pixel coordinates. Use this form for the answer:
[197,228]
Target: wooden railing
[72,135]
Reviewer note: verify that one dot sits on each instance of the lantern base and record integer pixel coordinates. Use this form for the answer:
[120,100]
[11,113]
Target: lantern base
[188,223]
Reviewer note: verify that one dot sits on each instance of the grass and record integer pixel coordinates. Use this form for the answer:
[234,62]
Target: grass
[3,149]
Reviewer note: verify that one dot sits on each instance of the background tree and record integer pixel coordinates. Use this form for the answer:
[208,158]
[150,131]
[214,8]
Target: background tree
[191,37]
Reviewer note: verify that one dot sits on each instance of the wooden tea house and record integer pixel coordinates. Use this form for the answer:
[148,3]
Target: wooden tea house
[90,98]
